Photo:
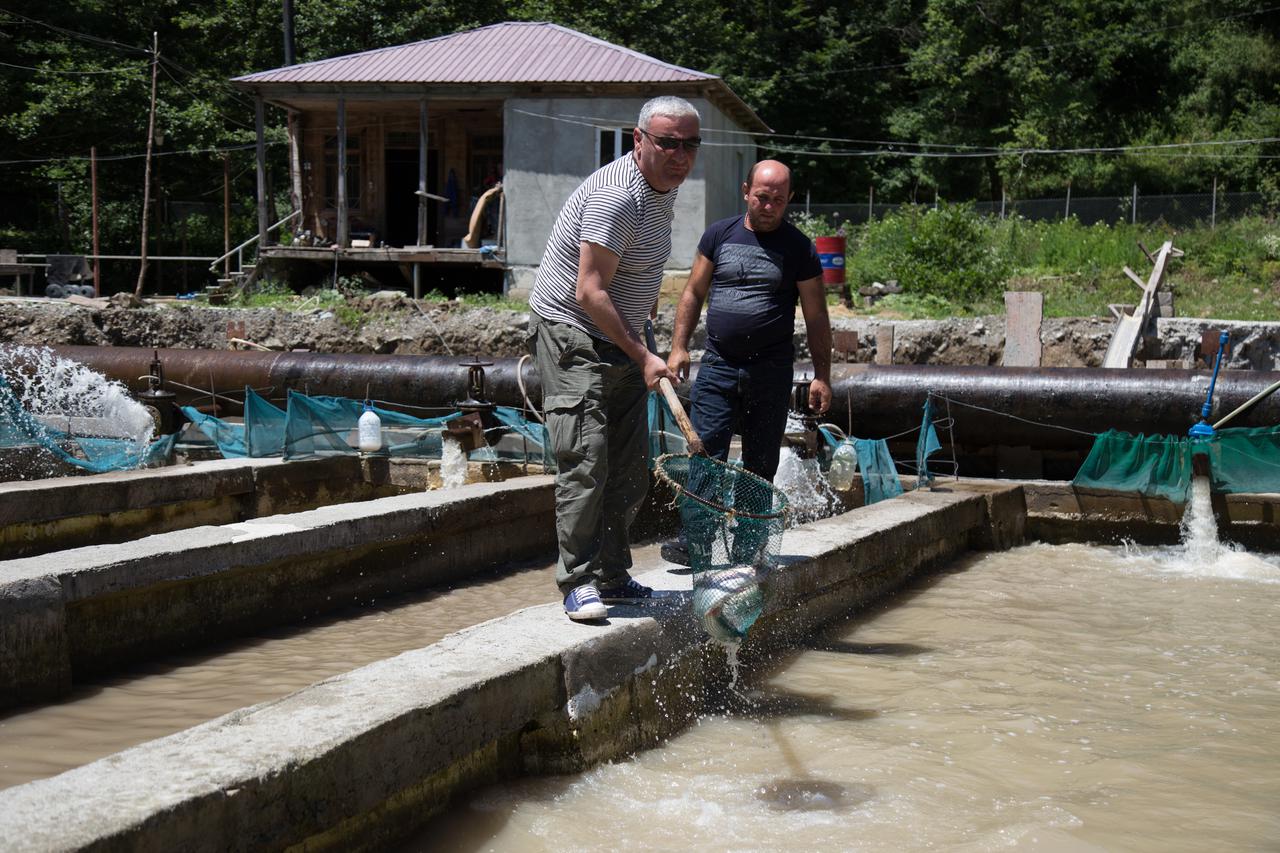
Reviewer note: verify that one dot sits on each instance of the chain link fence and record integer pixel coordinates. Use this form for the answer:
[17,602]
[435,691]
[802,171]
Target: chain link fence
[1181,210]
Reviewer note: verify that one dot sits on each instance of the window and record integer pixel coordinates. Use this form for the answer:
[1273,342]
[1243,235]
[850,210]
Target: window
[612,144]
[331,171]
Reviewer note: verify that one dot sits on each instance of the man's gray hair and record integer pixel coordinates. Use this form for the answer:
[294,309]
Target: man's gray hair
[669,106]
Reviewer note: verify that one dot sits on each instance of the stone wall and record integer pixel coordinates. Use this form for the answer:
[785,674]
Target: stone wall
[392,324]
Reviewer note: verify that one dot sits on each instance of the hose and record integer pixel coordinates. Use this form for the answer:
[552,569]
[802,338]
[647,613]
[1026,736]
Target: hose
[1264,393]
[523,391]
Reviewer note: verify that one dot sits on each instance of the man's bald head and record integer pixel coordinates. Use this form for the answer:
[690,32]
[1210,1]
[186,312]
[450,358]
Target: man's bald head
[769,168]
[767,192]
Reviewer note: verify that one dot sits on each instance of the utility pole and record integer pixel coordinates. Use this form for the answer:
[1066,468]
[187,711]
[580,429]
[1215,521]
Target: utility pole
[93,183]
[288,32]
[146,181]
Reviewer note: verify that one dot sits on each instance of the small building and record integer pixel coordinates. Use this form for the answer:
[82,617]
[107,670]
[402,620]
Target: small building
[460,150]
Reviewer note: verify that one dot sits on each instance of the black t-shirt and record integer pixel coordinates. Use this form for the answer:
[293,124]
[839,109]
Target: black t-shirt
[752,307]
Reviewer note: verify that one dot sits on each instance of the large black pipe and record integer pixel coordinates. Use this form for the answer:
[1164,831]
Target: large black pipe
[1043,408]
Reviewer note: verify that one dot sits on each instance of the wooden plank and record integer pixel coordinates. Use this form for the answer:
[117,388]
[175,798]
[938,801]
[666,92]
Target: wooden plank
[1129,328]
[1133,276]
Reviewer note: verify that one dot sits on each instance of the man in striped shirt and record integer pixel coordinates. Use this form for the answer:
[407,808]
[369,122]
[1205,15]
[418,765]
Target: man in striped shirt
[597,283]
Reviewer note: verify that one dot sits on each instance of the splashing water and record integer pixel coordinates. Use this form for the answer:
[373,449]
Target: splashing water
[1202,554]
[808,492]
[50,387]
[1199,527]
[453,463]
[731,658]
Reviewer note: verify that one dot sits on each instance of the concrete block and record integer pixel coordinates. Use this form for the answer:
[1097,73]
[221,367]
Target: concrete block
[884,345]
[1024,312]
[34,659]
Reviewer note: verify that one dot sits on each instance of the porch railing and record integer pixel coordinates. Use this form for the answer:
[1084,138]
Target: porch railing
[238,251]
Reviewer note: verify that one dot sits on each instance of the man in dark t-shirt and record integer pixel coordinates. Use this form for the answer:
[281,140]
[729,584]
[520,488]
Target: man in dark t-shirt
[755,268]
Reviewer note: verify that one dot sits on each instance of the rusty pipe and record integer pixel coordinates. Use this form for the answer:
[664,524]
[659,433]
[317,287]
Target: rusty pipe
[1044,408]
[1036,407]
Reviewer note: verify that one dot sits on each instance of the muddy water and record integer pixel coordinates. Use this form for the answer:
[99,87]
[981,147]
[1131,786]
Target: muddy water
[1046,698]
[177,692]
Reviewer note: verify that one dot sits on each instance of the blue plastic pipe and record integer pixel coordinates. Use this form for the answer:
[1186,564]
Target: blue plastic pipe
[1204,429]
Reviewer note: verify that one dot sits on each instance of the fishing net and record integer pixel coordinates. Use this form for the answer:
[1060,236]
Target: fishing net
[664,435]
[880,479]
[733,523]
[96,454]
[1241,461]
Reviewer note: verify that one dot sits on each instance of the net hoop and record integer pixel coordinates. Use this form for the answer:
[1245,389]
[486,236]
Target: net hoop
[659,468]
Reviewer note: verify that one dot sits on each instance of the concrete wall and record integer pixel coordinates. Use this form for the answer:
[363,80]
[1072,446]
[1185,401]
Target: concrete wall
[726,167]
[547,158]
[90,610]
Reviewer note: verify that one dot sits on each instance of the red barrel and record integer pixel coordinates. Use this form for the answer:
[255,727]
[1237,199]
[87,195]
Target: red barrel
[831,254]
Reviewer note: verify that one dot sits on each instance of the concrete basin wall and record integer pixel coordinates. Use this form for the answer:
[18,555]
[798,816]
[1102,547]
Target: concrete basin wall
[363,759]
[41,516]
[1061,512]
[89,610]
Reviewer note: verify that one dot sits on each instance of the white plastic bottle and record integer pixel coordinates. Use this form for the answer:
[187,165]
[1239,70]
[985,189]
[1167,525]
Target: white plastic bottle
[369,430]
[844,465]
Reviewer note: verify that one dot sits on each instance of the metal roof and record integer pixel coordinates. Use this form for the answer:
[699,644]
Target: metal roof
[510,52]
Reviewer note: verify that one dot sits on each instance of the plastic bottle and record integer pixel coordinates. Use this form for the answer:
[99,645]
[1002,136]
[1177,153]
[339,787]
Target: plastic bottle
[844,465]
[369,430]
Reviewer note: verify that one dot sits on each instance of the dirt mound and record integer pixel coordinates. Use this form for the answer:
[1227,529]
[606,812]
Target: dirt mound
[392,323]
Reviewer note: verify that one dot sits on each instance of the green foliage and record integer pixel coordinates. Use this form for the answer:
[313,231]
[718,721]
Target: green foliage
[479,300]
[839,79]
[1228,272]
[350,316]
[946,253]
[811,226]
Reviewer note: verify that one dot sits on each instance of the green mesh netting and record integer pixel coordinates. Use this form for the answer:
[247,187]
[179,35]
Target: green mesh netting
[263,426]
[535,434]
[326,426]
[96,455]
[1241,461]
[880,479]
[261,434]
[733,522]
[1245,460]
[664,435]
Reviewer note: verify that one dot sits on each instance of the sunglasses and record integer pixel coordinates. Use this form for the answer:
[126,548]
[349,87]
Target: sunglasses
[670,143]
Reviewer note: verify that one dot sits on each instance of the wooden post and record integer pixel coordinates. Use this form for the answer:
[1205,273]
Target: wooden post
[422,174]
[1133,215]
[1213,205]
[93,183]
[259,120]
[1066,214]
[343,227]
[295,164]
[871,203]
[146,180]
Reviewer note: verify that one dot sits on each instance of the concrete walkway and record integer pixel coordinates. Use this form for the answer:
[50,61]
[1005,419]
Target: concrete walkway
[363,759]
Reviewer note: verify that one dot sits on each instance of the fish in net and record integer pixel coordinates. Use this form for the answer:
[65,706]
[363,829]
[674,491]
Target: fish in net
[733,523]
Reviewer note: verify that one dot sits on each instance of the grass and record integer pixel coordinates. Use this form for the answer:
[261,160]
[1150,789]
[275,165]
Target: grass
[1231,272]
[954,263]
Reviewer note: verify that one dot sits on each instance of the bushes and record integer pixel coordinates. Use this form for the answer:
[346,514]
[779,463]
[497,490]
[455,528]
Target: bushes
[945,253]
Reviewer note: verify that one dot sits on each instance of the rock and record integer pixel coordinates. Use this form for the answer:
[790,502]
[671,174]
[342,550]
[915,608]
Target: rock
[124,299]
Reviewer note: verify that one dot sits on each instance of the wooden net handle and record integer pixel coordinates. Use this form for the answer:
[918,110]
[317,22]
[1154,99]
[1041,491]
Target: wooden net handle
[682,420]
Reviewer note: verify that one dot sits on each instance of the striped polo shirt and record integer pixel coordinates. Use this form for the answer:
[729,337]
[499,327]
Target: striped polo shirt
[615,208]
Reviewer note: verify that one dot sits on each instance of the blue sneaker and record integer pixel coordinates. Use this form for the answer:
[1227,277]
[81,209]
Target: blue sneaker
[583,604]
[629,591]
